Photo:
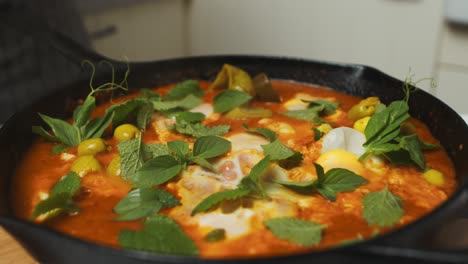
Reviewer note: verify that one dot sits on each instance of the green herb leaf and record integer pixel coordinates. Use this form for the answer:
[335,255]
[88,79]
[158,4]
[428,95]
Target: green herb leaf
[123,110]
[412,144]
[210,146]
[252,181]
[301,232]
[60,148]
[382,208]
[338,180]
[305,187]
[216,235]
[188,102]
[309,114]
[132,156]
[43,133]
[60,198]
[269,134]
[189,117]
[317,134]
[154,150]
[179,147]
[329,107]
[66,133]
[144,115]
[215,198]
[96,127]
[148,94]
[182,89]
[157,171]
[277,151]
[161,235]
[140,203]
[229,99]
[199,130]
[202,162]
[83,112]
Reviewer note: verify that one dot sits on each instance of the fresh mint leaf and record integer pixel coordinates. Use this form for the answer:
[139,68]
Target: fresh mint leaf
[148,94]
[60,198]
[140,203]
[83,112]
[161,234]
[317,133]
[382,208]
[215,235]
[252,181]
[338,180]
[132,156]
[269,134]
[96,127]
[157,171]
[188,102]
[215,198]
[59,148]
[123,110]
[66,133]
[305,187]
[309,114]
[182,89]
[189,117]
[413,145]
[229,99]
[43,133]
[153,150]
[298,231]
[210,146]
[199,130]
[202,162]
[144,115]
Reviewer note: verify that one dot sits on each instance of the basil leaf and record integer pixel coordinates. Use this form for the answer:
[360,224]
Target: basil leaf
[66,133]
[310,114]
[277,151]
[43,133]
[182,89]
[202,162]
[188,102]
[83,112]
[269,134]
[199,130]
[157,171]
[216,235]
[385,125]
[215,198]
[382,208]
[179,147]
[229,99]
[123,110]
[305,187]
[210,146]
[70,183]
[412,144]
[144,115]
[148,94]
[96,127]
[140,203]
[338,180]
[252,181]
[329,107]
[60,198]
[189,117]
[153,150]
[317,133]
[161,234]
[301,232]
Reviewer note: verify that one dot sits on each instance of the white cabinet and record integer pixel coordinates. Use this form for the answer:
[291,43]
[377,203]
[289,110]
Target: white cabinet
[392,35]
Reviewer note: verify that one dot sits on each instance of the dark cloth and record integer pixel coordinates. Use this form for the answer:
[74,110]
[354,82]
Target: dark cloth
[29,66]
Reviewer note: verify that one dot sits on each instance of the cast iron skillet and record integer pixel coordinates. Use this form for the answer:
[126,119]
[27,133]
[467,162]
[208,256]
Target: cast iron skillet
[409,244]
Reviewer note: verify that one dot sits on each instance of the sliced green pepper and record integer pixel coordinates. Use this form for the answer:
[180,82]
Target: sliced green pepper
[231,77]
[364,108]
[245,112]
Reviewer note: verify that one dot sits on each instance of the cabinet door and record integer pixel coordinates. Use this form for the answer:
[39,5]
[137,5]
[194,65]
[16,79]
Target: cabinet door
[392,35]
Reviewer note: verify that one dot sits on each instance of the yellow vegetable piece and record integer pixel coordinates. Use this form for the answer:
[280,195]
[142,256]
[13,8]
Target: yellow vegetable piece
[91,146]
[338,158]
[86,164]
[364,108]
[126,132]
[234,78]
[434,177]
[114,167]
[360,125]
[325,128]
[244,113]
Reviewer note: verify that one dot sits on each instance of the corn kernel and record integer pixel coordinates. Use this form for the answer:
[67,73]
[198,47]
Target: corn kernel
[360,125]
[434,177]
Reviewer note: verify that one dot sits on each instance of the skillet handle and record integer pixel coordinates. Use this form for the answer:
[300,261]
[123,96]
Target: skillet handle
[18,17]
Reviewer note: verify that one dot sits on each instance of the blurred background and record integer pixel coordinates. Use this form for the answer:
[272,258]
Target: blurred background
[430,37]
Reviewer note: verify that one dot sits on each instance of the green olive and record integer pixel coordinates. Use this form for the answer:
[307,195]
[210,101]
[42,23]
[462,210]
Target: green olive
[114,167]
[364,108]
[126,132]
[91,146]
[85,164]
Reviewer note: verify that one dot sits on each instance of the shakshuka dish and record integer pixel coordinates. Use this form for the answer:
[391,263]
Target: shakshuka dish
[240,167]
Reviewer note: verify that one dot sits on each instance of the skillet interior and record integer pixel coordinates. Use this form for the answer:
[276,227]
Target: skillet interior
[445,124]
